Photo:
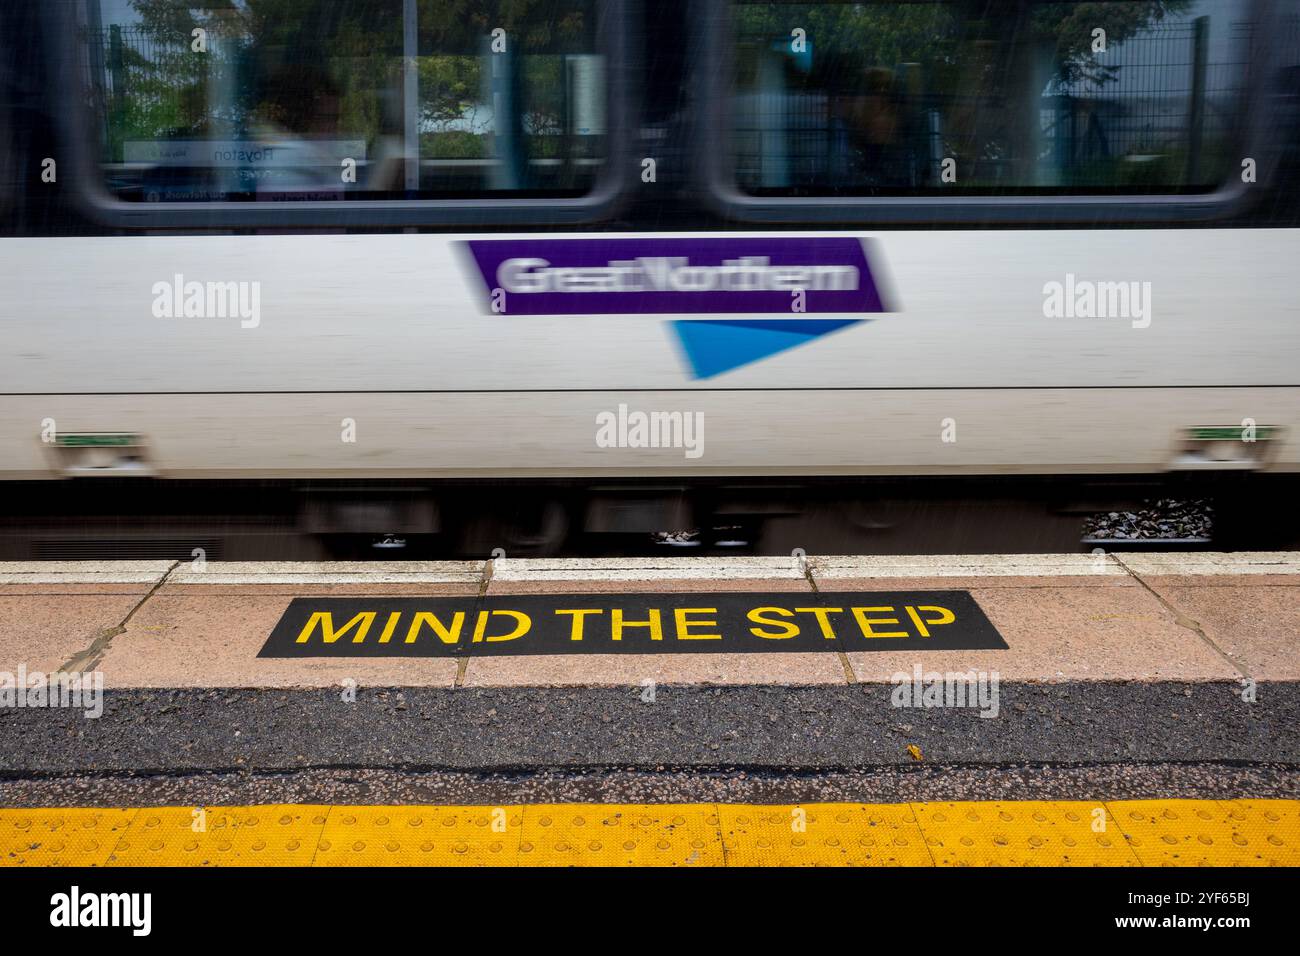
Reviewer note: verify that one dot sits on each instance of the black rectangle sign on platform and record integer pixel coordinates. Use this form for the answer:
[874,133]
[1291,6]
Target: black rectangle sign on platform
[729,622]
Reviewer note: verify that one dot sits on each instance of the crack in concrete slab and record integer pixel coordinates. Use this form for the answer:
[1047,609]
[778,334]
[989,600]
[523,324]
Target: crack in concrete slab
[1182,620]
[849,676]
[484,582]
[89,658]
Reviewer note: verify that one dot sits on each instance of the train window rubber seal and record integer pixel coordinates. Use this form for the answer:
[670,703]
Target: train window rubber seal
[713,71]
[75,136]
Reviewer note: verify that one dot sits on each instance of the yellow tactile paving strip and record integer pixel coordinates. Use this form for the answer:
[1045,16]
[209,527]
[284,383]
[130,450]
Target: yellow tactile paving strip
[1032,833]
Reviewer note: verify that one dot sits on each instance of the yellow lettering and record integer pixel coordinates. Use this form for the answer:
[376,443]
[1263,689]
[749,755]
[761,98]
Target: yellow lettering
[916,619]
[579,616]
[684,626]
[822,619]
[326,621]
[757,616]
[617,624]
[451,636]
[522,624]
[865,622]
[391,626]
[945,616]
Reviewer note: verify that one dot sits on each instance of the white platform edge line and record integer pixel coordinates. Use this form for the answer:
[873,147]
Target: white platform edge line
[828,567]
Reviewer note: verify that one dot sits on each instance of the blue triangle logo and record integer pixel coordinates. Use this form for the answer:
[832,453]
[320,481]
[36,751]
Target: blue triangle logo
[713,346]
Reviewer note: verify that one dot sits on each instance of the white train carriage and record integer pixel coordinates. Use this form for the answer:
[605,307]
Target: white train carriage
[368,241]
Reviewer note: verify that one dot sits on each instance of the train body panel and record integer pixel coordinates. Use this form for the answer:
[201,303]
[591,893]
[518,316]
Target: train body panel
[758,432]
[412,313]
[214,272]
[465,390]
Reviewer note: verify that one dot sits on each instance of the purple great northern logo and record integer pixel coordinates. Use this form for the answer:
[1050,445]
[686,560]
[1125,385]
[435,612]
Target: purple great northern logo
[703,278]
[694,276]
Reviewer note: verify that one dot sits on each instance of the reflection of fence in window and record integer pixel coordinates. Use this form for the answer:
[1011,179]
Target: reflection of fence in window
[1156,111]
[148,88]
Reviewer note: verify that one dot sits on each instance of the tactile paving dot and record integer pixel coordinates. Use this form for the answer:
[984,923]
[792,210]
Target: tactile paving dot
[1033,834]
[57,837]
[813,834]
[421,836]
[608,835]
[1213,832]
[220,836]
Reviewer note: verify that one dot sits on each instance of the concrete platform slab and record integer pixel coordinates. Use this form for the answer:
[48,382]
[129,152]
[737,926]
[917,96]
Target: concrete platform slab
[619,570]
[1258,627]
[332,573]
[966,565]
[1068,633]
[56,578]
[40,632]
[83,572]
[309,589]
[1213,562]
[931,572]
[181,639]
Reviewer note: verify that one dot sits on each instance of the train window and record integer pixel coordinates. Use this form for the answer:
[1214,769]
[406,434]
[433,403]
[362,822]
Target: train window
[1002,98]
[511,110]
[270,100]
